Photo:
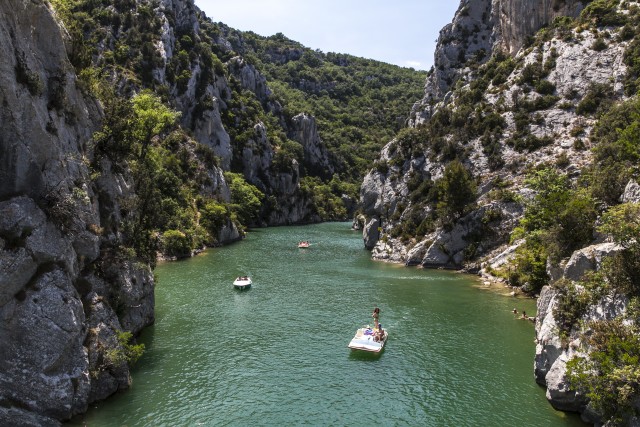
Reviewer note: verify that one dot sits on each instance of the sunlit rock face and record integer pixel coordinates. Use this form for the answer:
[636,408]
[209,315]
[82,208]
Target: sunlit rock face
[479,28]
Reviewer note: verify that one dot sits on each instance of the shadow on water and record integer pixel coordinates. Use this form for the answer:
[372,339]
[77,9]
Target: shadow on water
[365,356]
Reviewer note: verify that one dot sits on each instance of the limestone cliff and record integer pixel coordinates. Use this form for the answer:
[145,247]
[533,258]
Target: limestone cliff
[478,29]
[58,292]
[574,67]
[210,103]
[503,101]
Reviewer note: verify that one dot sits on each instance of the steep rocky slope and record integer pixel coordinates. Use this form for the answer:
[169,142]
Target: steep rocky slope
[58,286]
[506,123]
[510,168]
[480,28]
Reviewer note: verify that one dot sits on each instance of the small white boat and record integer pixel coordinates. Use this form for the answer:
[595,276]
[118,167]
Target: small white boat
[242,282]
[303,245]
[365,339]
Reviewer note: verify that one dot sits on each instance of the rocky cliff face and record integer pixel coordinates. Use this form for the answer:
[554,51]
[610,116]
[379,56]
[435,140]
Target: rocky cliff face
[211,95]
[574,67]
[57,294]
[68,289]
[403,194]
[478,29]
[552,351]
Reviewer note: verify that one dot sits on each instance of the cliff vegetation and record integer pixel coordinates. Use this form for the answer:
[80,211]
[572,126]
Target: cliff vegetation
[522,165]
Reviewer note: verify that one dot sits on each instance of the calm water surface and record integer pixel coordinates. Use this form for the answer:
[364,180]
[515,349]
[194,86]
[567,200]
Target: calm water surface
[277,354]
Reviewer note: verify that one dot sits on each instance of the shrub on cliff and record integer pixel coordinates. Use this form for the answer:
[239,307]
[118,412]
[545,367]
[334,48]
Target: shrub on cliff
[610,376]
[456,192]
[246,199]
[177,244]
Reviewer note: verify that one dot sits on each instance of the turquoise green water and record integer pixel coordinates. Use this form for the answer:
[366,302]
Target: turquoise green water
[277,354]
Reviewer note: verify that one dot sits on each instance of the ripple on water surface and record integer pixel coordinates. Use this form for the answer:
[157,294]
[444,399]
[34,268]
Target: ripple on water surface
[277,354]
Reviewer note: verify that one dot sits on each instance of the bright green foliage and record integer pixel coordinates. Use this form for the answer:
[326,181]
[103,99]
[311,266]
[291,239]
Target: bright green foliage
[610,376]
[456,191]
[141,135]
[571,304]
[246,199]
[150,118]
[623,223]
[323,196]
[213,216]
[603,13]
[530,266]
[552,195]
[559,216]
[557,221]
[125,352]
[617,151]
[176,243]
[623,269]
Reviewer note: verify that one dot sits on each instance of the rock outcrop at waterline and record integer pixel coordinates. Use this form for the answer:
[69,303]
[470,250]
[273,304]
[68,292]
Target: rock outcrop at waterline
[501,109]
[558,129]
[64,296]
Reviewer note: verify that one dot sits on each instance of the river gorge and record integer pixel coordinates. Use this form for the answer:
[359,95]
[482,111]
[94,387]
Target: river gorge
[277,354]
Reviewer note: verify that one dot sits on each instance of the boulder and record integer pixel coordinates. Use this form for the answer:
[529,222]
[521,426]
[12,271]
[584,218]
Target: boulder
[631,193]
[588,259]
[371,233]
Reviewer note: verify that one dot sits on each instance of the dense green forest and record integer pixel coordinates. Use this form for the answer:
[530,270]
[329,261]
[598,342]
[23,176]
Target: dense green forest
[360,103]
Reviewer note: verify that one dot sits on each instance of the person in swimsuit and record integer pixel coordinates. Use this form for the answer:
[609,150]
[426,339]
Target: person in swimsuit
[376,316]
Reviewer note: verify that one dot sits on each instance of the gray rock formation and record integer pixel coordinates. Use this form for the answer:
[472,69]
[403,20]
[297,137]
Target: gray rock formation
[552,353]
[631,193]
[316,157]
[370,233]
[575,67]
[572,65]
[478,29]
[57,292]
[588,259]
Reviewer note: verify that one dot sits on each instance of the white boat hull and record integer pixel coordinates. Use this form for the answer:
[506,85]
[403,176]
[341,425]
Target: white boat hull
[242,283]
[364,342]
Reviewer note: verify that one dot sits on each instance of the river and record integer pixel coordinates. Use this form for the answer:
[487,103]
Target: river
[276,354]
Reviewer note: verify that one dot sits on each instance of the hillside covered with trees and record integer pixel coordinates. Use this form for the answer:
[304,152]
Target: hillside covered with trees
[249,89]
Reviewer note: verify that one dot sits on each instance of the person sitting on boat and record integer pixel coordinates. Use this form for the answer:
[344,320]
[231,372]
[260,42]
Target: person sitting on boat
[379,336]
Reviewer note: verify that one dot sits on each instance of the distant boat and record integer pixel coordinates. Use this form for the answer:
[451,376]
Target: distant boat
[304,245]
[365,339]
[242,282]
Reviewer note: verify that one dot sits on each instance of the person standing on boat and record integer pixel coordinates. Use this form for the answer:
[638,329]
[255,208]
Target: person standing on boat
[376,316]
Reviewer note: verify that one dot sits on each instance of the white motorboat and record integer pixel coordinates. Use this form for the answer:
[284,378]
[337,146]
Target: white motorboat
[242,282]
[368,339]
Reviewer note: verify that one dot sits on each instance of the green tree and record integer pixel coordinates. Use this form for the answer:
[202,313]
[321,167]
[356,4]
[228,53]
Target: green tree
[456,192]
[246,199]
[610,376]
[176,243]
[150,118]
